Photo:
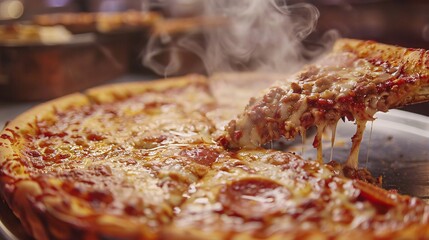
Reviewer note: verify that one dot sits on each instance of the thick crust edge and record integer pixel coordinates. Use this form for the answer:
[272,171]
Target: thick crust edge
[16,186]
[112,92]
[411,60]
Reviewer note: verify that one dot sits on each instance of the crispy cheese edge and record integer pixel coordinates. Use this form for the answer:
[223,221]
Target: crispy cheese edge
[412,60]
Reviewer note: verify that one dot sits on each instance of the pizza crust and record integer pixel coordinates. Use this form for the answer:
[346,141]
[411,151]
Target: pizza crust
[20,195]
[411,61]
[113,92]
[407,62]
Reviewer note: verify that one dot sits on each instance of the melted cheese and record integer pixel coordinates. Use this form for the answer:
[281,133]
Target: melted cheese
[311,196]
[341,85]
[353,161]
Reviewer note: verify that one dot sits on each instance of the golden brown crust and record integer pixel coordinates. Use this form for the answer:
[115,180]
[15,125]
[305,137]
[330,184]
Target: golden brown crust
[11,141]
[112,92]
[412,61]
[404,62]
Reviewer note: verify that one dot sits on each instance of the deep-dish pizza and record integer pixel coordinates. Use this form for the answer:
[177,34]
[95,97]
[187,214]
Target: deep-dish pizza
[354,81]
[141,161]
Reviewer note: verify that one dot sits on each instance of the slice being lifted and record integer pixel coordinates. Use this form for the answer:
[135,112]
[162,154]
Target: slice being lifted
[354,81]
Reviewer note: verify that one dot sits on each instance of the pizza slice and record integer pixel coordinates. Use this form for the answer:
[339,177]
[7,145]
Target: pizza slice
[266,194]
[354,81]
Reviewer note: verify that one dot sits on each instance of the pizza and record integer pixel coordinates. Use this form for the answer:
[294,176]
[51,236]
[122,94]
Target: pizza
[142,161]
[13,34]
[104,21]
[354,81]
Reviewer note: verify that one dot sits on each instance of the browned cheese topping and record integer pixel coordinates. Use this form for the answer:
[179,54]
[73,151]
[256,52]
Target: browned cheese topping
[275,194]
[343,84]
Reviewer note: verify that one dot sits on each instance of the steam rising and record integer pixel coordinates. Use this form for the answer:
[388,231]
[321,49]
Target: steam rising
[257,35]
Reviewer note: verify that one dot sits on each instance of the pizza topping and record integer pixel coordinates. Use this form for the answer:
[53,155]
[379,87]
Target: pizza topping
[375,195]
[201,155]
[285,195]
[11,135]
[282,112]
[353,161]
[254,198]
[94,137]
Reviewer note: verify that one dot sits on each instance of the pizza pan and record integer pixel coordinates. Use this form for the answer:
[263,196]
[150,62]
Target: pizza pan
[395,146]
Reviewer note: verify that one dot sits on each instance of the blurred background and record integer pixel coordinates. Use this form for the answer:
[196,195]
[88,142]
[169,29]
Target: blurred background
[394,21]
[70,45]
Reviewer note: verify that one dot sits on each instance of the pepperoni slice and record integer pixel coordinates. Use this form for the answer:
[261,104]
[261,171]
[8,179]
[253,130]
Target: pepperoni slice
[201,155]
[254,198]
[379,197]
